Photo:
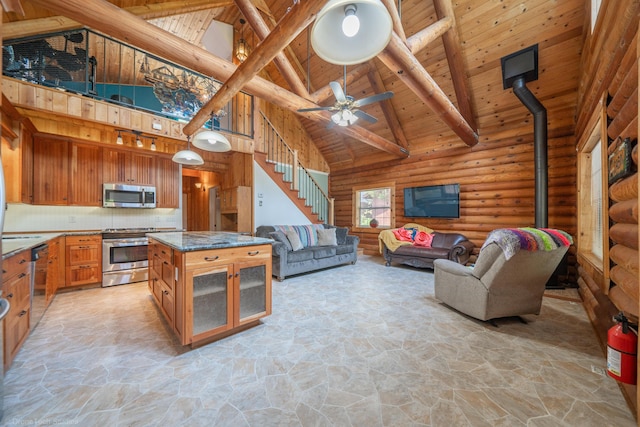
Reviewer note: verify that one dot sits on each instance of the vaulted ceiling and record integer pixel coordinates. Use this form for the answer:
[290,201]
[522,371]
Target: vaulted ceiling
[451,97]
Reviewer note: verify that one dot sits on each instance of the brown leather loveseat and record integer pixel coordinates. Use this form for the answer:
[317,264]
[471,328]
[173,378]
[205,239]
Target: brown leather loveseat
[452,246]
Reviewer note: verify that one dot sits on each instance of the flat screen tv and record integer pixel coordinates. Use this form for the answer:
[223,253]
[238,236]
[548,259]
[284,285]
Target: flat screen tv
[432,201]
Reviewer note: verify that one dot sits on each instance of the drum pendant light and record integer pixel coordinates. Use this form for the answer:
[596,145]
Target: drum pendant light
[188,157]
[350,32]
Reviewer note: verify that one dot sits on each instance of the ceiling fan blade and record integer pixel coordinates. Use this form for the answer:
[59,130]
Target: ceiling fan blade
[365,116]
[373,98]
[337,91]
[304,110]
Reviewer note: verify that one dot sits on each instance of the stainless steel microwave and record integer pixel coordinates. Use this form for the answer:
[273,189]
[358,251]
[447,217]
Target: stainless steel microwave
[128,196]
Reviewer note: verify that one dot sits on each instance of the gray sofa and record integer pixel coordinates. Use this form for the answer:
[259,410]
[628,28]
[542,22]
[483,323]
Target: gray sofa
[286,261]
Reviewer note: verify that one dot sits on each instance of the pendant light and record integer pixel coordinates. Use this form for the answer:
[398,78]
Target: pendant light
[188,157]
[210,140]
[350,32]
[242,50]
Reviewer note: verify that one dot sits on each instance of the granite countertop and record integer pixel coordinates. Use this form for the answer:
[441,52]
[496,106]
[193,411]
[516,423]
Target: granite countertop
[15,243]
[189,241]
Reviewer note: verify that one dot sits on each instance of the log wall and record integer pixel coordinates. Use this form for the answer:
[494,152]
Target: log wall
[610,73]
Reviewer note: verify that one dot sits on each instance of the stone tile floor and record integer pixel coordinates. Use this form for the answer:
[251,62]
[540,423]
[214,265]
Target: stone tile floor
[357,345]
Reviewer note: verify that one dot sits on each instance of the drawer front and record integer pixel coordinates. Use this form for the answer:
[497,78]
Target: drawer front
[82,254]
[227,256]
[84,240]
[83,274]
[17,292]
[16,264]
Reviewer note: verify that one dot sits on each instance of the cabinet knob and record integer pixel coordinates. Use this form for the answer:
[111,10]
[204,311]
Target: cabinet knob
[237,274]
[208,258]
[22,313]
[22,261]
[10,295]
[21,275]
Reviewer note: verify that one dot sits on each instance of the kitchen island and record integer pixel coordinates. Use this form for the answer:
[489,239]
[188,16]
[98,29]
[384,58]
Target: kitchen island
[209,285]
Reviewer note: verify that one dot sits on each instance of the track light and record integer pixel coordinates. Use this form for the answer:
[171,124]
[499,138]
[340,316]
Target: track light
[119,140]
[139,142]
[153,144]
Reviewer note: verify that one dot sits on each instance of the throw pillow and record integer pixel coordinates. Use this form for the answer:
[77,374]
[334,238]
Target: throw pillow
[341,235]
[327,237]
[279,236]
[292,235]
[423,239]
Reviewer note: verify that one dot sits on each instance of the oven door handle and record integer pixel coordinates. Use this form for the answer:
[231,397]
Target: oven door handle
[126,242]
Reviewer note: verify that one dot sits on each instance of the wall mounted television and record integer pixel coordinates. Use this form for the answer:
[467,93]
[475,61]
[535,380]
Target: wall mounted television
[432,201]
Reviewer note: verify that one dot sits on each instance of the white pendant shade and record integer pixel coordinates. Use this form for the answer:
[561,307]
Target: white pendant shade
[359,44]
[210,140]
[188,157]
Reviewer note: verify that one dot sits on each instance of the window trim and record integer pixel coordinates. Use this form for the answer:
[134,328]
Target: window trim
[391,185]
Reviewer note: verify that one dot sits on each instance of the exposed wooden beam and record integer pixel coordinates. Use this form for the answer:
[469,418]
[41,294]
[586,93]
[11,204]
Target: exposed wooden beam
[13,6]
[395,18]
[387,108]
[457,67]
[12,30]
[261,29]
[422,38]
[397,57]
[298,17]
[109,19]
[325,93]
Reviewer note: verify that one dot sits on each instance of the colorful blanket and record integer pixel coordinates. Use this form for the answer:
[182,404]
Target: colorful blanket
[511,240]
[406,235]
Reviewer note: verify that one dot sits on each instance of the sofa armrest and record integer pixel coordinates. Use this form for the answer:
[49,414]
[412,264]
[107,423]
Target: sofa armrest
[279,249]
[461,252]
[353,240]
[452,268]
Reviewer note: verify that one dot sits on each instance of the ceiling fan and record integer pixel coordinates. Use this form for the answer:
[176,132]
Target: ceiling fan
[345,109]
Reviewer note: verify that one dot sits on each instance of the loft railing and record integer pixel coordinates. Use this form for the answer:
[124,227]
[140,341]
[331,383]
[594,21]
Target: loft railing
[94,65]
[286,162]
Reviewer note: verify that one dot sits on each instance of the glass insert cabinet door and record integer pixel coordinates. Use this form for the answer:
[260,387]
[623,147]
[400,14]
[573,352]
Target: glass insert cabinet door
[250,292]
[212,300]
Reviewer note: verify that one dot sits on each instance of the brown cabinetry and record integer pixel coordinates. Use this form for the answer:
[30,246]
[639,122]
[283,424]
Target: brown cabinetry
[225,290]
[162,283]
[86,173]
[235,209]
[128,167]
[55,266]
[16,271]
[167,183]
[50,171]
[83,260]
[18,168]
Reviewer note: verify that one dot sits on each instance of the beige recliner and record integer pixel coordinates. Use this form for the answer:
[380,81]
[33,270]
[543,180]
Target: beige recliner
[496,287]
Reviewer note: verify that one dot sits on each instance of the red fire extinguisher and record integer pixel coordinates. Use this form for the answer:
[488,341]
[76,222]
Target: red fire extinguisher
[622,350]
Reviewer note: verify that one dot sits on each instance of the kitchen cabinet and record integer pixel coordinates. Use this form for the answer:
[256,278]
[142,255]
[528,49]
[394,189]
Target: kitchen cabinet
[128,167]
[55,265]
[213,292]
[50,171]
[83,260]
[162,284]
[16,280]
[17,163]
[167,183]
[86,170]
[235,209]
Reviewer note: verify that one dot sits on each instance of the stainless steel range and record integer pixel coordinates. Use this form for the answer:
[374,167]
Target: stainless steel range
[124,255]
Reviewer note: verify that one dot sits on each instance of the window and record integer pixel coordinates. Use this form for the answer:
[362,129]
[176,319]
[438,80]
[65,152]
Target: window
[592,200]
[595,8]
[374,203]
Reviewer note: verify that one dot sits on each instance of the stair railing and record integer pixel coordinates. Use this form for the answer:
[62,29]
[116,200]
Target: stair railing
[286,162]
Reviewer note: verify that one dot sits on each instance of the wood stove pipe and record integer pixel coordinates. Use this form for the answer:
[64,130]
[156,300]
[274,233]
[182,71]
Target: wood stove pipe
[539,147]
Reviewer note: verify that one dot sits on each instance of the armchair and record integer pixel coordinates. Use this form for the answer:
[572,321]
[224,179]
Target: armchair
[509,276]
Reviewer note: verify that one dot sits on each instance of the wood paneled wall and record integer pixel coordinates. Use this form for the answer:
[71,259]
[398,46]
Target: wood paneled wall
[496,186]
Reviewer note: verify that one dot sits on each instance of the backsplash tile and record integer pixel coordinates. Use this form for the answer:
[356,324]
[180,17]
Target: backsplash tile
[27,218]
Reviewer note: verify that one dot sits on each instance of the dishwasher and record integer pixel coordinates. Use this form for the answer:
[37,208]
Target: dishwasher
[40,261]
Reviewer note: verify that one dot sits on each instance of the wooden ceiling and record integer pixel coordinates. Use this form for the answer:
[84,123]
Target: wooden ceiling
[480,33]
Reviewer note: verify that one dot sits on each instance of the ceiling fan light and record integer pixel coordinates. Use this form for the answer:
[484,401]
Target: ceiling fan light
[209,140]
[333,45]
[350,23]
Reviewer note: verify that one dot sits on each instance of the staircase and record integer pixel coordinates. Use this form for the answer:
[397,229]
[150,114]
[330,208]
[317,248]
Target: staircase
[282,165]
